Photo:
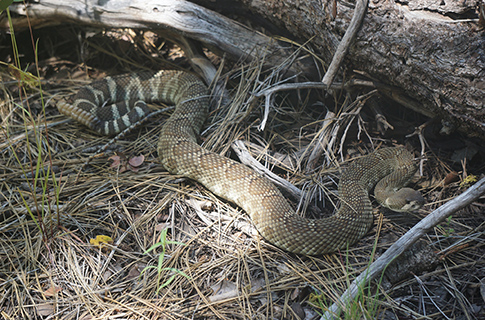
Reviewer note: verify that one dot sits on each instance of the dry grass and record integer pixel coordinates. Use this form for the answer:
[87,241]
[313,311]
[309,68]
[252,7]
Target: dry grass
[50,209]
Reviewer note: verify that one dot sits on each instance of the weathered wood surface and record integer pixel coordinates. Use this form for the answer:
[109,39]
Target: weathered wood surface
[167,16]
[436,63]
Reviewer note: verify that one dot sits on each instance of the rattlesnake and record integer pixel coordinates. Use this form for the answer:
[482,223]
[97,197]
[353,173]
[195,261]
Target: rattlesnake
[387,169]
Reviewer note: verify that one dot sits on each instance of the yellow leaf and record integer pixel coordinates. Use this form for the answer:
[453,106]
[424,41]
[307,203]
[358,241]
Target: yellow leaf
[468,181]
[101,241]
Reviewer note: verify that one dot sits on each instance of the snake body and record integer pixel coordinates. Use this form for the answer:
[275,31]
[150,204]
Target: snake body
[387,169]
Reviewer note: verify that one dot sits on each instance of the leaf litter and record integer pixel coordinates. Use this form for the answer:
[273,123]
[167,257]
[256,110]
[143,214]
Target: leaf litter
[231,272]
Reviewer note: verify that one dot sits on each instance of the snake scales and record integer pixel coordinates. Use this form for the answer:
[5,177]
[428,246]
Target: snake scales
[387,169]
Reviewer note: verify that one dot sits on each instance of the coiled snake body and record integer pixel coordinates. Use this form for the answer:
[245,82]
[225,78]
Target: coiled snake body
[387,169]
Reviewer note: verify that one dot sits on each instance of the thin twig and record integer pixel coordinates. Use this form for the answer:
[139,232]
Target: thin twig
[295,86]
[268,94]
[419,132]
[343,47]
[243,154]
[322,142]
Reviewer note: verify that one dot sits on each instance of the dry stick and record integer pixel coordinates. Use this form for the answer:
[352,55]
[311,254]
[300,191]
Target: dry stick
[268,93]
[376,268]
[243,154]
[245,157]
[380,118]
[419,132]
[343,47]
[294,86]
[286,161]
[322,141]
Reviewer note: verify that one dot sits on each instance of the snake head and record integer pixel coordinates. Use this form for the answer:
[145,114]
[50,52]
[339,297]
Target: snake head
[404,200]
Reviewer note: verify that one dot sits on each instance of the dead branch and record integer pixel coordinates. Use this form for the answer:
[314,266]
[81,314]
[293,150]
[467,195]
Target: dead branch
[410,237]
[347,39]
[243,154]
[170,16]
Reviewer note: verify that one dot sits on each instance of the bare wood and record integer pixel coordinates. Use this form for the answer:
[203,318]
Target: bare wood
[245,157]
[288,162]
[243,154]
[346,41]
[173,16]
[433,219]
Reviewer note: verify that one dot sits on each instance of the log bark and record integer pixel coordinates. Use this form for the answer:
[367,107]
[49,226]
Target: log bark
[429,54]
[432,52]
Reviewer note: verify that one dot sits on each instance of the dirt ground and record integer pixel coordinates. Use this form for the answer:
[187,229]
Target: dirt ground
[74,237]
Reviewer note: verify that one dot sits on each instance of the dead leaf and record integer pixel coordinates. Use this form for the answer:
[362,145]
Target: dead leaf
[119,162]
[137,161]
[162,217]
[159,227]
[224,290]
[52,291]
[122,164]
[451,177]
[133,273]
[294,295]
[298,310]
[116,160]
[45,309]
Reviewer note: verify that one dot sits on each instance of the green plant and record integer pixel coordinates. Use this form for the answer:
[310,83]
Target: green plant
[448,230]
[163,244]
[365,305]
[4,4]
[37,170]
